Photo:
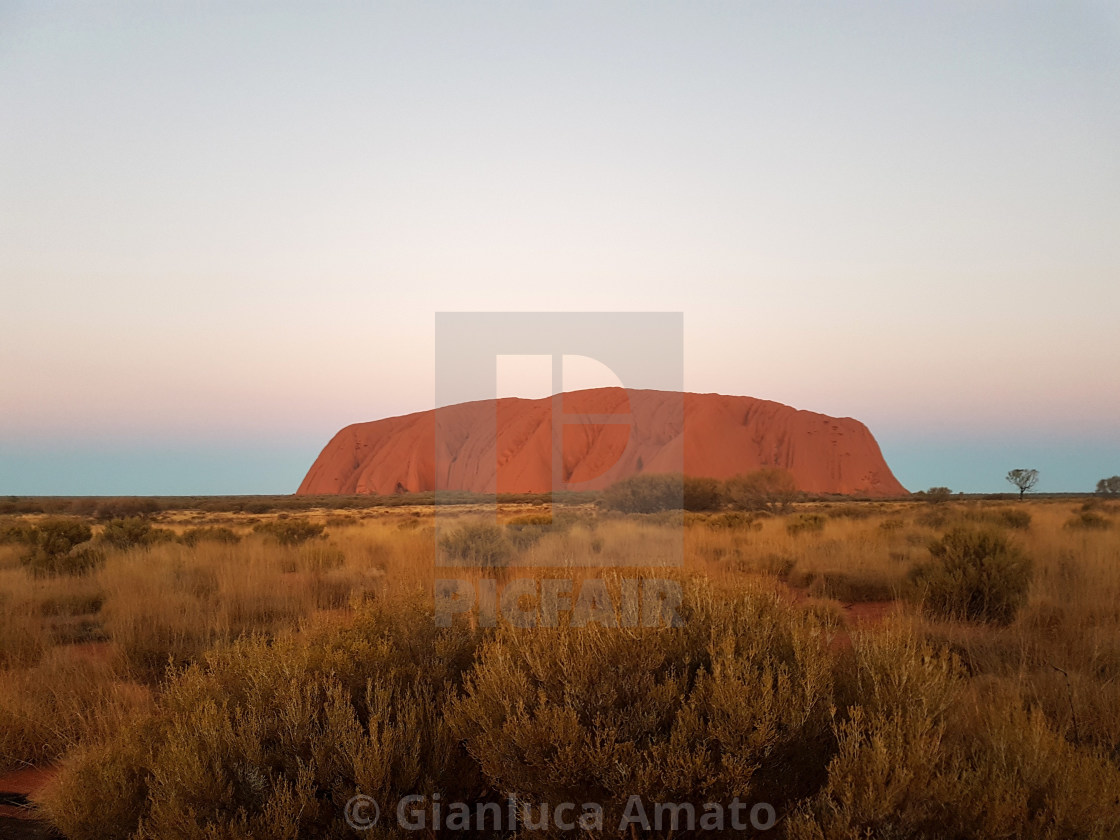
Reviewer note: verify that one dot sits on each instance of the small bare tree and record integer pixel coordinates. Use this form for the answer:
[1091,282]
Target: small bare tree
[1023,479]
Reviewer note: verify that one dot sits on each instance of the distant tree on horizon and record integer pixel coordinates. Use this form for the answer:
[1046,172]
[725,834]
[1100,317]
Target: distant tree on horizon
[1024,479]
[1109,486]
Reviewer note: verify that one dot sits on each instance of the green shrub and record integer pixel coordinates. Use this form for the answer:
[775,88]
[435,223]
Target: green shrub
[701,494]
[123,534]
[291,531]
[769,489]
[58,536]
[478,544]
[975,575]
[57,548]
[646,493]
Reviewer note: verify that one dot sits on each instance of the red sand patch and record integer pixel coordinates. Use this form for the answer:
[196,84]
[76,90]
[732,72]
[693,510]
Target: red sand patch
[26,782]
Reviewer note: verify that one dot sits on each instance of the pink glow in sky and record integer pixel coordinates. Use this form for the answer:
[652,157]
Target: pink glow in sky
[224,228]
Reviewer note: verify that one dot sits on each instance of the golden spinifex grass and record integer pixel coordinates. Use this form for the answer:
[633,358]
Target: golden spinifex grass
[216,687]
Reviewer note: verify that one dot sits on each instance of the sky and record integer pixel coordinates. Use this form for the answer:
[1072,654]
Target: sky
[225,229]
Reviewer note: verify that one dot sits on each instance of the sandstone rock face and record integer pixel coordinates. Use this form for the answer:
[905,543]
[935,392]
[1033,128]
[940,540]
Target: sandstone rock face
[506,446]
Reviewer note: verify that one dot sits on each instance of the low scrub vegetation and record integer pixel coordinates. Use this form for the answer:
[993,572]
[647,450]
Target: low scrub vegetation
[975,575]
[480,544]
[291,531]
[768,489]
[217,681]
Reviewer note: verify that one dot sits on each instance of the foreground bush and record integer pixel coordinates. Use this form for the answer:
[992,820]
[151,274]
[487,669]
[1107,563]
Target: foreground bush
[974,575]
[45,709]
[748,699]
[736,703]
[917,759]
[272,739]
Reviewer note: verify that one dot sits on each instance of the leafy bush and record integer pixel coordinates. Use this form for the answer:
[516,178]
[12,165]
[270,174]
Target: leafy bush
[15,531]
[56,548]
[58,536]
[915,760]
[975,575]
[735,703]
[291,531]
[702,494]
[478,544]
[646,493]
[769,488]
[271,738]
[124,534]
